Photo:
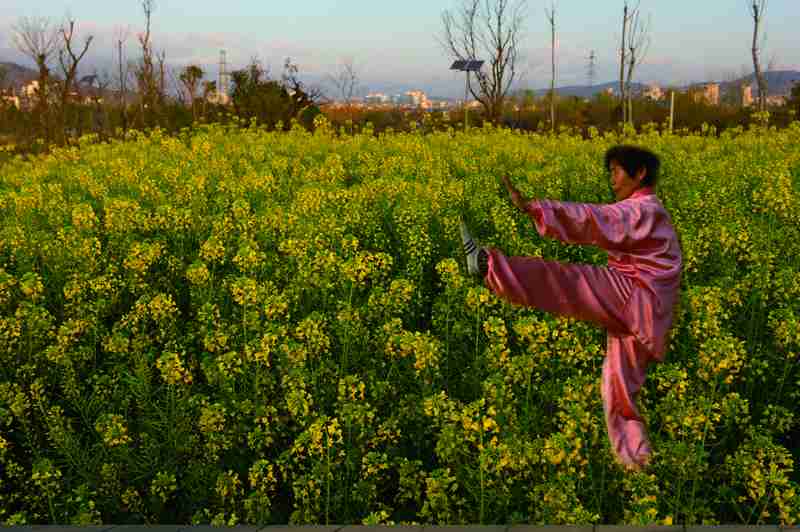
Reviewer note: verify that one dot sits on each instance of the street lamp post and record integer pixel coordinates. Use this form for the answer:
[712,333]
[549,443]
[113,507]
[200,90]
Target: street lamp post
[466,65]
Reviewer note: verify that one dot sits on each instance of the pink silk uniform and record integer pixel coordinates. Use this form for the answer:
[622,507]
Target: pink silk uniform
[633,298]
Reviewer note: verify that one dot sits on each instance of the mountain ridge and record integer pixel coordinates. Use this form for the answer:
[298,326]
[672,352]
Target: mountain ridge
[779,83]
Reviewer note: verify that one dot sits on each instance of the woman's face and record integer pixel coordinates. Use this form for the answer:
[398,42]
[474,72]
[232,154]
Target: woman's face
[622,184]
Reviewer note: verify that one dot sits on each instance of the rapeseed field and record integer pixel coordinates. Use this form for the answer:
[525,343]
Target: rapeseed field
[237,325]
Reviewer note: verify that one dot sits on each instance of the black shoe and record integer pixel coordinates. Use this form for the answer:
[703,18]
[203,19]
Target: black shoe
[471,249]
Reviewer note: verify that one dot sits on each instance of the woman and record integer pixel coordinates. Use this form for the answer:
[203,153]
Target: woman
[633,298]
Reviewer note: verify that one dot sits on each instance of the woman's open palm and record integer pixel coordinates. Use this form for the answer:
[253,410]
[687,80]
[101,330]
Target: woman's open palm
[516,198]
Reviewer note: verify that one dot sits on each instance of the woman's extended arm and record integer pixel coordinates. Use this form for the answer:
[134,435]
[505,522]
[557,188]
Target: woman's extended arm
[612,227]
[618,226]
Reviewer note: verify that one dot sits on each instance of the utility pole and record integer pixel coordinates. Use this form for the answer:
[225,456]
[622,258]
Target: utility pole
[466,109]
[222,84]
[466,65]
[551,18]
[672,111]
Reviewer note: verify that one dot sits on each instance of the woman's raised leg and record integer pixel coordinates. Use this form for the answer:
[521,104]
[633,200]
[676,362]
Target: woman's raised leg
[590,293]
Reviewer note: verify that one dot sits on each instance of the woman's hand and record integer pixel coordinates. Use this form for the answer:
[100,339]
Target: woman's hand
[516,198]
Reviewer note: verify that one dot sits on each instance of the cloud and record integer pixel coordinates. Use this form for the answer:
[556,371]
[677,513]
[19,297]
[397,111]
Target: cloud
[180,48]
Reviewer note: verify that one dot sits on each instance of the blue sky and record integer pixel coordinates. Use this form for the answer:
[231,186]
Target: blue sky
[393,43]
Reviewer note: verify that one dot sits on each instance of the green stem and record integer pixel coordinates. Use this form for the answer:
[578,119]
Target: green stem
[703,442]
[763,508]
[480,464]
[346,352]
[528,400]
[328,482]
[477,335]
[783,379]
[349,471]
[447,345]
[52,509]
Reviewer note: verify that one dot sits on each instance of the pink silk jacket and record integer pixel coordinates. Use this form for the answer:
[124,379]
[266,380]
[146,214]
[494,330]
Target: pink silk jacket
[633,298]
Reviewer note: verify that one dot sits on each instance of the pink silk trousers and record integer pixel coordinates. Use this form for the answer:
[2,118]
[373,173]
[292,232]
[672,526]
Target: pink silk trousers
[597,295]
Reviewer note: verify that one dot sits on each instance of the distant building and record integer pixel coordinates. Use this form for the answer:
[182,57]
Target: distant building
[708,93]
[412,98]
[30,89]
[8,97]
[88,95]
[746,95]
[377,98]
[712,93]
[400,99]
[29,94]
[776,100]
[653,92]
[418,98]
[218,98]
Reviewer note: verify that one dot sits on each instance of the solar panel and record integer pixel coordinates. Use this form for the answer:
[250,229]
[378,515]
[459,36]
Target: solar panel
[468,65]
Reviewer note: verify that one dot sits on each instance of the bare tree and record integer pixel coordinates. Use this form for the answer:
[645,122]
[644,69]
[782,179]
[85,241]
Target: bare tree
[70,68]
[162,79]
[623,52]
[345,83]
[35,38]
[757,9]
[120,36]
[773,63]
[300,94]
[635,42]
[146,76]
[345,80]
[638,43]
[551,18]
[3,91]
[209,89]
[190,78]
[98,84]
[103,82]
[729,87]
[488,30]
[177,85]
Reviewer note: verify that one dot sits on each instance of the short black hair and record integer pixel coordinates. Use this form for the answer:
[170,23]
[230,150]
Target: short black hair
[633,159]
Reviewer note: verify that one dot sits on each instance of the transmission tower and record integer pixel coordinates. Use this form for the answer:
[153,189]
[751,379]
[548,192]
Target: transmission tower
[222,83]
[591,68]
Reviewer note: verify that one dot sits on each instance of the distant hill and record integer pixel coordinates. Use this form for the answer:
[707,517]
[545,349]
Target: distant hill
[586,91]
[779,83]
[17,75]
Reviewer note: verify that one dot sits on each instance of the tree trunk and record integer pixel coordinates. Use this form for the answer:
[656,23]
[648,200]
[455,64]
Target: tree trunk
[553,62]
[762,85]
[630,107]
[629,80]
[622,93]
[122,90]
[44,75]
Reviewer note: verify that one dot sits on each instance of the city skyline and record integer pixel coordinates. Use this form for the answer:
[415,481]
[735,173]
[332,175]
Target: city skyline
[394,46]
